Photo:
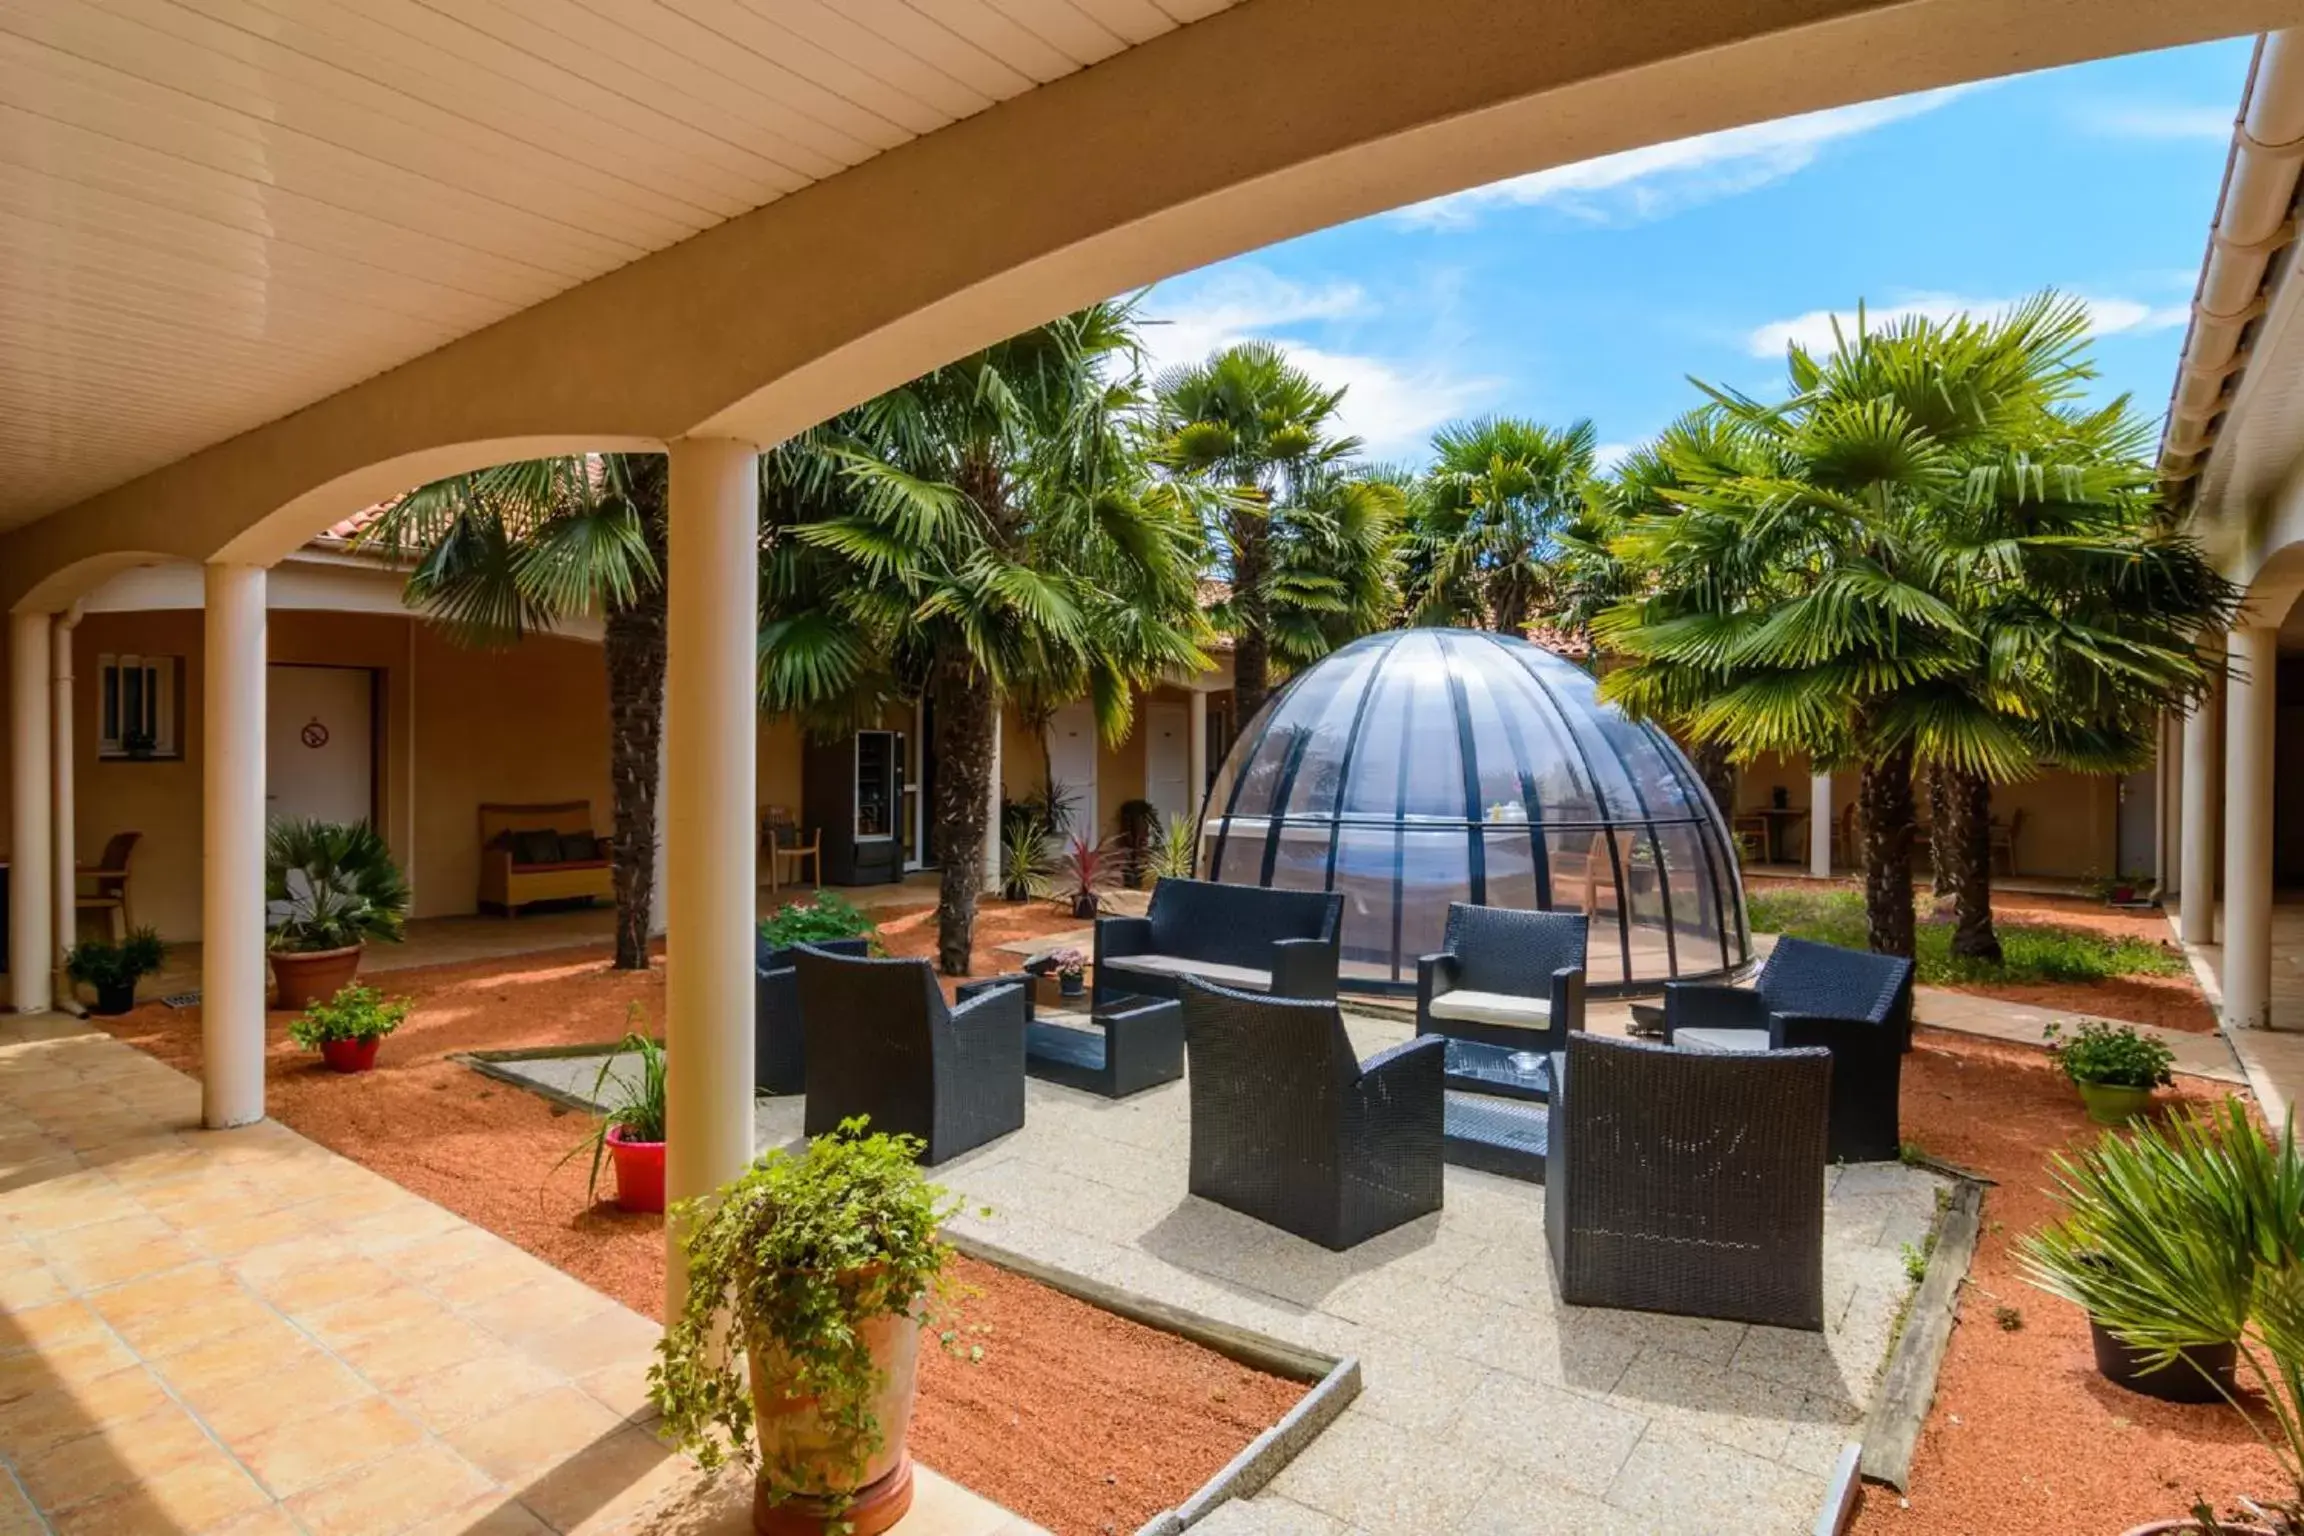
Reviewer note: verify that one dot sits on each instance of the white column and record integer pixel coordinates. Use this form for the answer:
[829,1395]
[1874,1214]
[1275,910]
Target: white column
[2248,721]
[232,848]
[711,741]
[31,929]
[1196,754]
[65,853]
[2200,787]
[1820,825]
[992,823]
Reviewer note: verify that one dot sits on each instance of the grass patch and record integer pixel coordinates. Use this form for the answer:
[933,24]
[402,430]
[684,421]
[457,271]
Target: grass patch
[2035,951]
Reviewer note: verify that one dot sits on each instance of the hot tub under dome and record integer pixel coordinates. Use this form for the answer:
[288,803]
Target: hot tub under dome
[1424,766]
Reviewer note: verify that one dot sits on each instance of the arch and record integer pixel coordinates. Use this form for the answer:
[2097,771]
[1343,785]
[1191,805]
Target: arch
[2275,586]
[1256,124]
[61,587]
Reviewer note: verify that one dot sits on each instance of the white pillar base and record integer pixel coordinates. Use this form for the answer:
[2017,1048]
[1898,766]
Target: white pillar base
[232,849]
[711,741]
[2248,748]
[1820,810]
[31,886]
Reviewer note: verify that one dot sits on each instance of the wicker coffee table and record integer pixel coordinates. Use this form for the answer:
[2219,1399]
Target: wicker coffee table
[1496,1118]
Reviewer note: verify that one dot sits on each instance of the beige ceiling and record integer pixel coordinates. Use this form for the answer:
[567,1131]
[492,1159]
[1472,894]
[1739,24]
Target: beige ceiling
[215,211]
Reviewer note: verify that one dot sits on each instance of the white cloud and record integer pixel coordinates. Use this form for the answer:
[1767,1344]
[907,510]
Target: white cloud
[1650,182]
[2158,122]
[1608,455]
[1813,330]
[1392,404]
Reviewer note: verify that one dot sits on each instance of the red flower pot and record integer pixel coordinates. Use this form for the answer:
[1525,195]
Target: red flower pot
[639,1171]
[351,1055]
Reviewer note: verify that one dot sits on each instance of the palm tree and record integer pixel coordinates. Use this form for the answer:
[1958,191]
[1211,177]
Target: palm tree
[991,529]
[1499,496]
[1259,432]
[521,549]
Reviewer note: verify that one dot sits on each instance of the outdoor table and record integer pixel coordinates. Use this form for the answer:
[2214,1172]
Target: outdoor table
[1496,1117]
[1779,819]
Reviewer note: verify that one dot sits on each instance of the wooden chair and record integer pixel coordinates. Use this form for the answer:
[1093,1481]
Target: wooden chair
[1751,836]
[780,840]
[110,875]
[1846,852]
[2003,841]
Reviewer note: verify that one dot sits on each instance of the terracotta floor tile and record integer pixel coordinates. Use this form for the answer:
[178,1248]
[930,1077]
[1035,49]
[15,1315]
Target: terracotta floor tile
[478,1280]
[25,1282]
[366,1316]
[599,1489]
[499,1514]
[617,1338]
[93,1465]
[17,1516]
[306,1452]
[195,1496]
[473,1389]
[163,1334]
[46,1326]
[622,1387]
[526,1440]
[249,1407]
[543,1304]
[217,1364]
[232,1237]
[269,1521]
[325,1284]
[76,1360]
[406,1353]
[47,1418]
[415,1484]
[128,1258]
[161,1295]
[432,1259]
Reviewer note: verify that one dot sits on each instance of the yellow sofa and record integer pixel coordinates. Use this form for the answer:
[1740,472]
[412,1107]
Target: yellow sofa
[507,883]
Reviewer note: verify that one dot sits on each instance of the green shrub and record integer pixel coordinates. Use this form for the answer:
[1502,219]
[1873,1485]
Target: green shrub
[354,1013]
[792,1259]
[829,915]
[330,885]
[2033,952]
[631,1104]
[100,963]
[2110,1055]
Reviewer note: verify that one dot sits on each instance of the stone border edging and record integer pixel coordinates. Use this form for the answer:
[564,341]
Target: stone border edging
[1335,1381]
[1892,1429]
[1840,1491]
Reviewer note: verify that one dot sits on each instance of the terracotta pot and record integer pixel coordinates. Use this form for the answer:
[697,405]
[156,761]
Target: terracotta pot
[639,1171]
[313,976]
[116,998]
[351,1055]
[794,1442]
[2177,1382]
[2113,1103]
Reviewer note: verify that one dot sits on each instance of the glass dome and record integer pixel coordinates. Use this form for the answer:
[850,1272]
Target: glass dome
[1424,766]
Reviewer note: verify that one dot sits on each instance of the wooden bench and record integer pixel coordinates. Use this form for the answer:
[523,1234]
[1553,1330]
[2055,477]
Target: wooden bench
[512,877]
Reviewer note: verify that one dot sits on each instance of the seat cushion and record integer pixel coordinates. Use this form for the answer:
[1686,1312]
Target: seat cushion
[1207,970]
[540,845]
[1720,1039]
[1494,1008]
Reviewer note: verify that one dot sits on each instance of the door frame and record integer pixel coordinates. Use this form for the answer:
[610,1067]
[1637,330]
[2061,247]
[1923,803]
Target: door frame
[378,720]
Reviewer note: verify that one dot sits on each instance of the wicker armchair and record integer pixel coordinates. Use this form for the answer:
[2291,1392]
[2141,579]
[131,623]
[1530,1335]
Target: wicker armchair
[1677,1181]
[882,1043]
[779,1050]
[1506,977]
[1857,1006]
[1289,1127]
[1287,943]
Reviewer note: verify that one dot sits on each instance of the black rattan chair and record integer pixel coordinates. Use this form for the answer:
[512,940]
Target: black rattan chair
[883,1044]
[1689,1182]
[1244,937]
[1290,1127]
[1506,977]
[1856,1005]
[779,1052]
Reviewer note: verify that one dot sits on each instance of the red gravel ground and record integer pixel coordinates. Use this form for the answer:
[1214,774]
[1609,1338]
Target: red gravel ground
[1076,1419]
[2024,1436]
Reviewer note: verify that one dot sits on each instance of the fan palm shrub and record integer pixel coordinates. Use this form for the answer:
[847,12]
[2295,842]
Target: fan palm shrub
[1499,496]
[523,548]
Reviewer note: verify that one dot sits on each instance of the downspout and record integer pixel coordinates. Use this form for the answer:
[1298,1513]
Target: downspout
[65,852]
[2254,222]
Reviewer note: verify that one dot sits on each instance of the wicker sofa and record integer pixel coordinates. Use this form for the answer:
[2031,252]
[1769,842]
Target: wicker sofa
[779,1049]
[1505,977]
[1244,937]
[532,853]
[1856,1005]
[1291,1127]
[1687,1182]
[881,1042]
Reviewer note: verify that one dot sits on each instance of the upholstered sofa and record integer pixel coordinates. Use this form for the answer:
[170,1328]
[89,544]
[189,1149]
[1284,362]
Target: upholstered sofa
[533,853]
[1286,943]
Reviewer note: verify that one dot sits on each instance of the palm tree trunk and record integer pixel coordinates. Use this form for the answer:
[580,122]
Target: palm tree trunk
[1718,771]
[633,649]
[966,713]
[1252,641]
[1884,798]
[1964,853]
[1941,860]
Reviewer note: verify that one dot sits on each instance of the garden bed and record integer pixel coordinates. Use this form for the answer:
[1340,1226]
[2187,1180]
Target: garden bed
[1079,1420]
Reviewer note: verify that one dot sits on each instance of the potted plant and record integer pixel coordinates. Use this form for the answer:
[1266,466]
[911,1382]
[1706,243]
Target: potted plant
[347,1028]
[112,969]
[2185,1243]
[329,888]
[1176,852]
[2116,1067]
[629,1135]
[1083,875]
[1139,821]
[1071,968]
[826,916]
[1023,859]
[819,1266]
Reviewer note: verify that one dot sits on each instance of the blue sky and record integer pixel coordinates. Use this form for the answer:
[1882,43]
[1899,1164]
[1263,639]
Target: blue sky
[1595,290]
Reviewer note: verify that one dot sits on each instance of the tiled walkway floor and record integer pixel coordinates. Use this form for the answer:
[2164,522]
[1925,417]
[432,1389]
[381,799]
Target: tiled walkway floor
[243,1333]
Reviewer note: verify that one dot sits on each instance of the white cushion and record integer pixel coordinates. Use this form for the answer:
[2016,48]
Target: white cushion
[1720,1039]
[1494,1008]
[1206,970]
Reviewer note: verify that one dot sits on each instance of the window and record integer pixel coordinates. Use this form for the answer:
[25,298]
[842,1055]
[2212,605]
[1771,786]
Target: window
[136,708]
